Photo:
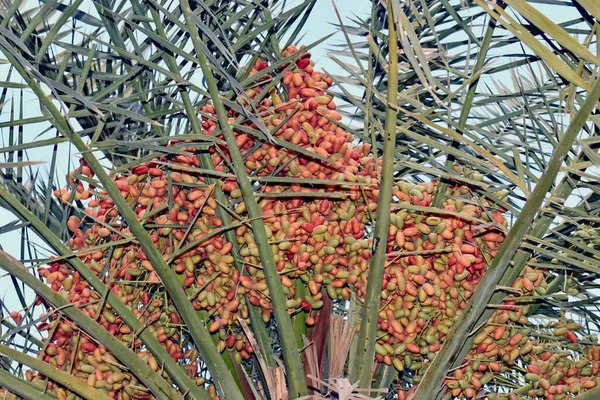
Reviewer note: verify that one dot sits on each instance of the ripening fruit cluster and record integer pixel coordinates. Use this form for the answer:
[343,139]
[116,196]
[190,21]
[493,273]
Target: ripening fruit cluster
[318,199]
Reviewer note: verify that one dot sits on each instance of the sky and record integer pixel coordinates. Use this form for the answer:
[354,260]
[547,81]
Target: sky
[320,24]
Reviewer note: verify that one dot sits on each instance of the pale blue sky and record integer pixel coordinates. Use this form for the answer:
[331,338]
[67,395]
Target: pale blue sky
[320,25]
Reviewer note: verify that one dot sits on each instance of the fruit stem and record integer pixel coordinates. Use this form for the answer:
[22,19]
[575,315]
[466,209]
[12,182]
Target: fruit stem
[154,382]
[591,394]
[205,162]
[367,336]
[21,387]
[57,375]
[295,373]
[458,337]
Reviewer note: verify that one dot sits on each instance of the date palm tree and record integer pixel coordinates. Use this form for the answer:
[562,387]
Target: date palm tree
[487,106]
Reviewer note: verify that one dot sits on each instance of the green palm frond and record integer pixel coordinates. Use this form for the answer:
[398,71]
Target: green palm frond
[124,71]
[498,96]
[484,99]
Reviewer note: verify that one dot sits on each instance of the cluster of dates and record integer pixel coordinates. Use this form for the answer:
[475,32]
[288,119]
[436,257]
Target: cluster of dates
[318,217]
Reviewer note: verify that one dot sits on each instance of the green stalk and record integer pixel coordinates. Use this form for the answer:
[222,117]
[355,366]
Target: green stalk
[198,331]
[152,344]
[295,373]
[363,362]
[538,230]
[154,382]
[591,394]
[21,387]
[261,335]
[206,162]
[463,327]
[299,319]
[466,108]
[385,376]
[69,381]
[354,321]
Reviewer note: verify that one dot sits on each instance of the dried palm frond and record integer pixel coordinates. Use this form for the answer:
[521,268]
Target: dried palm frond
[312,363]
[274,377]
[340,340]
[343,390]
